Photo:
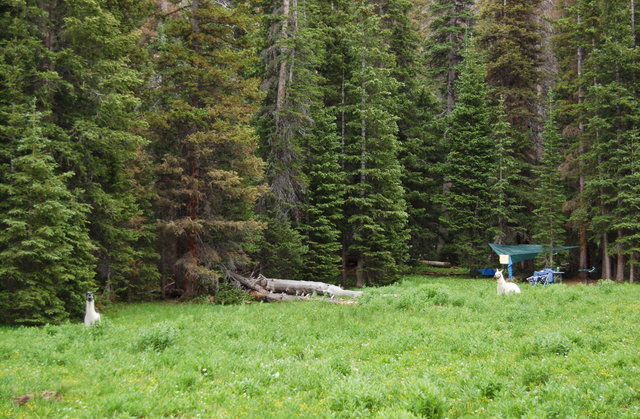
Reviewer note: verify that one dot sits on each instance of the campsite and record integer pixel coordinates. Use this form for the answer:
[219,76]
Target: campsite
[445,347]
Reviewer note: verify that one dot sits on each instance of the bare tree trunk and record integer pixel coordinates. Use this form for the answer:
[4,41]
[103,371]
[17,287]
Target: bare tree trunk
[193,201]
[360,271]
[343,125]
[451,73]
[282,74]
[620,260]
[193,205]
[363,178]
[606,260]
[632,269]
[582,232]
[343,281]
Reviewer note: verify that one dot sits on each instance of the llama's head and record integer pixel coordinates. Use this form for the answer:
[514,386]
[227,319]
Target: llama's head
[89,296]
[498,274]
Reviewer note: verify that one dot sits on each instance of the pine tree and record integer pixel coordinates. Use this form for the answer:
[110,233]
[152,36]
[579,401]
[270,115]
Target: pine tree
[208,173]
[376,210]
[418,146]
[325,199]
[508,31]
[469,164]
[549,191]
[46,264]
[75,61]
[451,20]
[610,105]
[574,40]
[506,180]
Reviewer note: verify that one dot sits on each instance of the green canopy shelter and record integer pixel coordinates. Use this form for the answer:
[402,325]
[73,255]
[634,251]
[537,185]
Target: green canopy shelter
[519,252]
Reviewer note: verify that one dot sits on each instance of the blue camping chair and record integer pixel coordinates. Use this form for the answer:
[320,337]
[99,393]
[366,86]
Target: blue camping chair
[543,277]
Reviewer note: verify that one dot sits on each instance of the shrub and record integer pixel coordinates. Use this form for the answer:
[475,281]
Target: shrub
[157,337]
[355,394]
[227,294]
[425,400]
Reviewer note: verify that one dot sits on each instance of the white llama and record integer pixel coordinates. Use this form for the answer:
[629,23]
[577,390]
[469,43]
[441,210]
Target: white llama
[91,316]
[505,287]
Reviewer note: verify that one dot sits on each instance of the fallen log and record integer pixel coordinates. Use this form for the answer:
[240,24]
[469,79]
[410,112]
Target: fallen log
[306,288]
[272,289]
[436,263]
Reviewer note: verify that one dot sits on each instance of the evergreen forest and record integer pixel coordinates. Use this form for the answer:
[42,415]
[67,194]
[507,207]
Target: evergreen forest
[149,147]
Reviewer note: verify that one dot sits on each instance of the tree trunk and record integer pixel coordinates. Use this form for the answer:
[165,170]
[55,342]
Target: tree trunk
[363,178]
[343,281]
[451,73]
[193,204]
[436,263]
[273,289]
[606,260]
[282,73]
[343,125]
[620,260]
[360,271]
[582,232]
[289,286]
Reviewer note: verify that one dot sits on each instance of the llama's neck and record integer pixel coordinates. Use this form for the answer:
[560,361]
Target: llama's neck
[91,306]
[501,280]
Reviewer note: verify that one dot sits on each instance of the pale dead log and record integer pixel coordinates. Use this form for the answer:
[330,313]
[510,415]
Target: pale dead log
[436,263]
[306,287]
[271,289]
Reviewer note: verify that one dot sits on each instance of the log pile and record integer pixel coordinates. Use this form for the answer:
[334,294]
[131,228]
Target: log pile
[272,289]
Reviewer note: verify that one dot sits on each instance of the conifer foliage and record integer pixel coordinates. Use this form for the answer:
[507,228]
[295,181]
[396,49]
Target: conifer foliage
[46,265]
[208,175]
[470,164]
[549,192]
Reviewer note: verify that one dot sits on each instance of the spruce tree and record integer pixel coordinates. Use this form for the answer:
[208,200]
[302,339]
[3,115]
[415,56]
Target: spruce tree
[374,195]
[469,164]
[610,106]
[293,53]
[508,31]
[450,21]
[418,145]
[46,265]
[506,180]
[325,199]
[549,193]
[208,172]
[575,38]
[75,61]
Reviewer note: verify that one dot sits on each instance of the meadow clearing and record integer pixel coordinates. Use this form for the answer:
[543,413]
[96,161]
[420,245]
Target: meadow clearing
[444,347]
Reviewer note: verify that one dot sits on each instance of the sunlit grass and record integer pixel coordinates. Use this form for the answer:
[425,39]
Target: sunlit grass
[441,348]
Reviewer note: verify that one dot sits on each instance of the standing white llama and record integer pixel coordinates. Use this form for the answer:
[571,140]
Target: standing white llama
[91,316]
[505,287]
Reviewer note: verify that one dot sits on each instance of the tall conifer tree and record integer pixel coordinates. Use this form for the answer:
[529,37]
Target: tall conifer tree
[450,21]
[208,171]
[46,265]
[549,194]
[375,199]
[469,164]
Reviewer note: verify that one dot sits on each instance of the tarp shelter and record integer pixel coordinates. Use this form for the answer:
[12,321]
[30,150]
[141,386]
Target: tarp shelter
[520,252]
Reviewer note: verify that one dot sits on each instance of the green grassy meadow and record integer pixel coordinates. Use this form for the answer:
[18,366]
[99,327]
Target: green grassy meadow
[442,348]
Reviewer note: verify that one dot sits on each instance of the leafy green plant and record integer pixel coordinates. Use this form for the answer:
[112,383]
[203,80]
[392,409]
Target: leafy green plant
[157,337]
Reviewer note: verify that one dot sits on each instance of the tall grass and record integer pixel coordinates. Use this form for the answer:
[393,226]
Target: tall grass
[441,348]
